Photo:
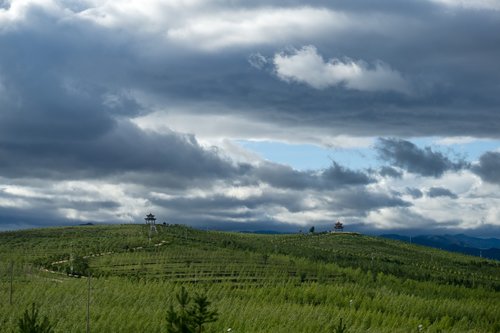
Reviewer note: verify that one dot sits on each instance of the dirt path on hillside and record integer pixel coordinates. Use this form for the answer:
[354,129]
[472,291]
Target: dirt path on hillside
[163,242]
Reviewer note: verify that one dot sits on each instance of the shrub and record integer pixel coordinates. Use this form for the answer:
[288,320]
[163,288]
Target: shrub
[29,322]
[191,314]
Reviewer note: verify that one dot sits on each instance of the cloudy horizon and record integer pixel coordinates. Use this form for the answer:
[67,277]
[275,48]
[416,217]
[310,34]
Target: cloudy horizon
[251,115]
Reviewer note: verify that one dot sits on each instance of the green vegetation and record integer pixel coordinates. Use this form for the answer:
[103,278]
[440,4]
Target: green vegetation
[258,283]
[29,323]
[341,328]
[190,318]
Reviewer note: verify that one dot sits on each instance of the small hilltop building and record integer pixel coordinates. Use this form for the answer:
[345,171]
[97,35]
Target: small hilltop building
[151,221]
[338,227]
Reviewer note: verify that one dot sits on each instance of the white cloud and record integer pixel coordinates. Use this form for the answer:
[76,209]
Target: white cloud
[224,125]
[18,11]
[397,217]
[243,192]
[14,203]
[470,4]
[236,152]
[307,66]
[304,218]
[256,26]
[25,192]
[456,140]
[476,203]
[142,16]
[208,25]
[75,200]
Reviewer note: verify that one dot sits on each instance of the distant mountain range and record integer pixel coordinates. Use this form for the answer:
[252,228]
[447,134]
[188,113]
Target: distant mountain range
[484,247]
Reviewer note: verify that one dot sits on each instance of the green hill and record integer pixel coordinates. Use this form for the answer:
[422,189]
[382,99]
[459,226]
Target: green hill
[258,283]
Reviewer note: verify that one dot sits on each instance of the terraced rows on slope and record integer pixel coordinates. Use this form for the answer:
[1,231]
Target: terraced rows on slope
[259,283]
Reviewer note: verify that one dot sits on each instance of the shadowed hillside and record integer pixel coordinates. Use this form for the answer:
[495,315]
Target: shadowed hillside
[486,248]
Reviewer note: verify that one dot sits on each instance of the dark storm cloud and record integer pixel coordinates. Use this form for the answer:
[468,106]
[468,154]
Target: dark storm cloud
[221,203]
[359,202]
[91,205]
[414,192]
[212,210]
[257,223]
[15,218]
[408,156]
[387,171]
[43,212]
[335,189]
[435,192]
[65,100]
[73,75]
[489,167]
[447,54]
[338,175]
[36,217]
[328,179]
[405,218]
[450,55]
[47,202]
[449,58]
[285,177]
[64,74]
[218,211]
[125,148]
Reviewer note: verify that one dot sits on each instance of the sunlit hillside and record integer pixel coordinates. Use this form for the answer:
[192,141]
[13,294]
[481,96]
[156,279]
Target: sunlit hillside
[257,283]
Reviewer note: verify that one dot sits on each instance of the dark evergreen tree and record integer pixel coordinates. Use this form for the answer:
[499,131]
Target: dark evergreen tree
[29,323]
[191,315]
[201,313]
[178,320]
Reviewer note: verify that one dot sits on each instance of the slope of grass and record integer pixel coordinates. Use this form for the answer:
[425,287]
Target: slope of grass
[259,283]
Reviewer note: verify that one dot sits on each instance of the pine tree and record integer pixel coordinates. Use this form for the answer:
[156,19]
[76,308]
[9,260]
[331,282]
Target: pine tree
[180,321]
[29,322]
[200,312]
[191,314]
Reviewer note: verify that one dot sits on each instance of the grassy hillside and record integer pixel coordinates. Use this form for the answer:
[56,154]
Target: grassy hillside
[258,283]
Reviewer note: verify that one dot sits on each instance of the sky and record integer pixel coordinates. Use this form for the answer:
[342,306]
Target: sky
[252,115]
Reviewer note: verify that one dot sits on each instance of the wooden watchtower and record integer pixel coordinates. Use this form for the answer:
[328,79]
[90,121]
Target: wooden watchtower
[151,221]
[339,227]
